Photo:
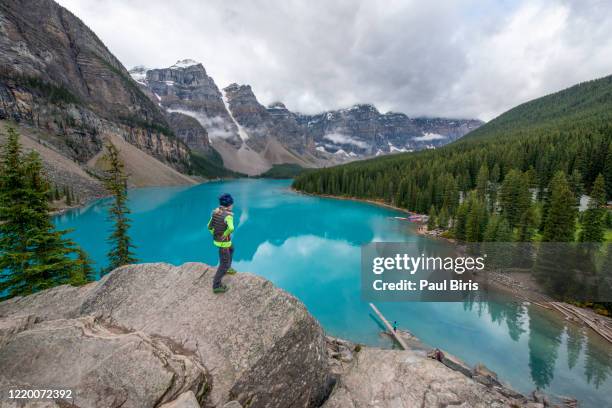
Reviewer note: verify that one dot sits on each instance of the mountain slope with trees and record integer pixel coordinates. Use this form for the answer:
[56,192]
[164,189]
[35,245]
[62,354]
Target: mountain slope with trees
[569,131]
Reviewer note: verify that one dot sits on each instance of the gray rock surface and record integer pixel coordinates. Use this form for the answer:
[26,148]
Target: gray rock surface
[153,334]
[232,404]
[60,302]
[407,379]
[185,400]
[259,344]
[56,75]
[186,88]
[103,365]
[190,131]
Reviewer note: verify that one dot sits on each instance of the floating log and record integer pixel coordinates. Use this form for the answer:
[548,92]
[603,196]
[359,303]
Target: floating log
[396,336]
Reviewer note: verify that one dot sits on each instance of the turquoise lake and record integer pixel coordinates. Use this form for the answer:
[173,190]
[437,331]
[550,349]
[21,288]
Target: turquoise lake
[310,247]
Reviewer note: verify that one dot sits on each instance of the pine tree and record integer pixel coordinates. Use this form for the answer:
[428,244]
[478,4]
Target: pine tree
[482,182]
[576,186]
[515,197]
[495,174]
[33,255]
[531,177]
[84,272]
[15,222]
[498,230]
[476,220]
[560,223]
[527,225]
[460,224]
[116,184]
[443,218]
[593,220]
[608,173]
[432,219]
[68,197]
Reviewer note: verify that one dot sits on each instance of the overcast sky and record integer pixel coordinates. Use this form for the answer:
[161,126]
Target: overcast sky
[471,58]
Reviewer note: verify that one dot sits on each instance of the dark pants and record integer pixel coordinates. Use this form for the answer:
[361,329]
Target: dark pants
[225,261]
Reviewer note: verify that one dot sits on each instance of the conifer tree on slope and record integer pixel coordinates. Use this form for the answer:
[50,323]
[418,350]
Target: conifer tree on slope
[116,184]
[477,218]
[593,221]
[432,220]
[560,223]
[559,227]
[515,197]
[482,182]
[33,255]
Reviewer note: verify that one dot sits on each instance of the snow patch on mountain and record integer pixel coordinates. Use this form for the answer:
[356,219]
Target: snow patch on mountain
[139,74]
[393,149]
[241,131]
[184,64]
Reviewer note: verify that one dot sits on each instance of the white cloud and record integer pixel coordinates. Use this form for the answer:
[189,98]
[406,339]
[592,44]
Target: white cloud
[216,126]
[469,58]
[339,138]
[428,136]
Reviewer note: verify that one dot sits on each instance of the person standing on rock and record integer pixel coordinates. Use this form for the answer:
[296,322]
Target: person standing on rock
[221,226]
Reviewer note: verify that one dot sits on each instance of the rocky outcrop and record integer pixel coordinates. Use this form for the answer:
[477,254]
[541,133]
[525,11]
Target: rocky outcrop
[56,75]
[406,379]
[290,131]
[45,41]
[256,344]
[264,125]
[190,131]
[185,400]
[104,365]
[154,335]
[186,88]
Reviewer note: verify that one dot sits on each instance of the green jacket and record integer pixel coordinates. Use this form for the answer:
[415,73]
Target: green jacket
[221,226]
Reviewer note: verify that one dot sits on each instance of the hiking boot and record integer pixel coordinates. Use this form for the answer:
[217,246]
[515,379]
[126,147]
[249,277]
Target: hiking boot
[220,289]
[231,271]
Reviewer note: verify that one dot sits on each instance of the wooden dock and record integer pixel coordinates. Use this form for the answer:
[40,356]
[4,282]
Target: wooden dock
[397,338]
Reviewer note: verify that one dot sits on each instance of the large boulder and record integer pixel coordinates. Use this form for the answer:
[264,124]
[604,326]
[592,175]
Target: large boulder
[260,345]
[406,379]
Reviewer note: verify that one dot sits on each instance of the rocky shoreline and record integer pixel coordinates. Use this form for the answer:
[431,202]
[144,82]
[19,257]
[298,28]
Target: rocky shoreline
[154,335]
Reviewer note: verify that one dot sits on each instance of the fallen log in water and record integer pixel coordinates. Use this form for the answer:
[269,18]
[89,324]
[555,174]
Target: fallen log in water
[601,327]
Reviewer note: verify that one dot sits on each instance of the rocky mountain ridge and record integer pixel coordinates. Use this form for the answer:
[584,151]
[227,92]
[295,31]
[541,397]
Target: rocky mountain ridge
[245,131]
[363,131]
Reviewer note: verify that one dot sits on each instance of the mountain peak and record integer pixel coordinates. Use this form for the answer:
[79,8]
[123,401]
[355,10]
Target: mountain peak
[139,73]
[233,87]
[184,63]
[277,105]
